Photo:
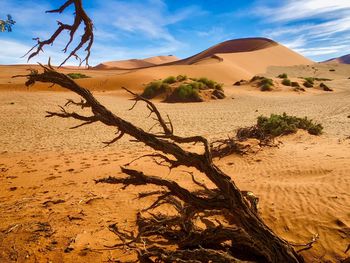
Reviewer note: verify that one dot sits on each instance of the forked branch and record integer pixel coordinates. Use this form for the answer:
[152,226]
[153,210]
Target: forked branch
[87,39]
[249,238]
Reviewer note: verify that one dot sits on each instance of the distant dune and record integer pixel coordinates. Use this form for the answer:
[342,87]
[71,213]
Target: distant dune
[230,46]
[136,63]
[342,60]
[225,63]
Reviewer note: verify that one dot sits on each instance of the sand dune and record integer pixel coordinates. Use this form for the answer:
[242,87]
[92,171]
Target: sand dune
[225,63]
[239,59]
[136,63]
[342,60]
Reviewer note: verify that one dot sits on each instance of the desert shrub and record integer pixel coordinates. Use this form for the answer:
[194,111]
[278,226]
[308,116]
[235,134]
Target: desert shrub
[282,76]
[286,82]
[308,84]
[197,85]
[237,83]
[170,80]
[181,78]
[266,81]
[77,76]
[322,79]
[310,80]
[265,84]
[332,69]
[277,125]
[186,92]
[268,128]
[295,84]
[325,87]
[208,82]
[266,87]
[255,78]
[219,86]
[154,88]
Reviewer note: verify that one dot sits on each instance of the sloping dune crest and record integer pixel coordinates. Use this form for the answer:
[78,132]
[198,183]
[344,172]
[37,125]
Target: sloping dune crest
[342,60]
[136,63]
[225,63]
[230,46]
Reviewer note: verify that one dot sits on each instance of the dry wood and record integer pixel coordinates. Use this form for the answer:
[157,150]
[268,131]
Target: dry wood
[87,38]
[244,237]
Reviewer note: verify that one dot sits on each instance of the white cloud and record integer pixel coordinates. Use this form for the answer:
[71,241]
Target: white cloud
[311,27]
[300,9]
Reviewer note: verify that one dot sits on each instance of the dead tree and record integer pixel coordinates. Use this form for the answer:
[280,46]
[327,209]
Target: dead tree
[233,228]
[87,38]
[243,236]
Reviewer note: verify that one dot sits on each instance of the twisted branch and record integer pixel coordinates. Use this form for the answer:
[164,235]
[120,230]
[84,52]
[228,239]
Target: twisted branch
[87,38]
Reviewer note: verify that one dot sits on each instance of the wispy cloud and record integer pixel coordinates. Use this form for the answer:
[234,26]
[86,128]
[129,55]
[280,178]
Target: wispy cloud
[150,18]
[301,9]
[311,27]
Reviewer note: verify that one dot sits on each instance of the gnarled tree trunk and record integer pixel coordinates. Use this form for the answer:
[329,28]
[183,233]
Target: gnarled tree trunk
[246,237]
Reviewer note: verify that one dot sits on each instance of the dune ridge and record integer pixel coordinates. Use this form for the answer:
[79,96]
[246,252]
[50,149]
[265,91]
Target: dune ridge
[341,60]
[136,63]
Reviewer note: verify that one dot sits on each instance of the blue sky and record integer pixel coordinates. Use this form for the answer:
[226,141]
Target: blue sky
[318,29]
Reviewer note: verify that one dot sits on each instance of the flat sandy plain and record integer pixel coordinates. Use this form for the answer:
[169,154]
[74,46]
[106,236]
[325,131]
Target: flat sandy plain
[49,201]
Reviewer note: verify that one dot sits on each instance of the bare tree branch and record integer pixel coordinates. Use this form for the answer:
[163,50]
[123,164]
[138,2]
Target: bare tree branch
[260,243]
[87,38]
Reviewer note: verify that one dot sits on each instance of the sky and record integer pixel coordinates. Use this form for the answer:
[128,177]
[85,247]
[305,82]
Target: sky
[125,29]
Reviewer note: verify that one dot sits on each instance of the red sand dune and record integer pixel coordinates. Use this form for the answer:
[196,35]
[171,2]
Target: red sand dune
[230,46]
[342,60]
[136,63]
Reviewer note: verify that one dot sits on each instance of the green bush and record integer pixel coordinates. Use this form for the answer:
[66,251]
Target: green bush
[266,87]
[155,88]
[277,125]
[295,84]
[308,84]
[282,76]
[169,80]
[264,81]
[219,86]
[181,78]
[286,82]
[186,92]
[310,80]
[77,76]
[208,82]
[322,79]
[325,87]
[255,78]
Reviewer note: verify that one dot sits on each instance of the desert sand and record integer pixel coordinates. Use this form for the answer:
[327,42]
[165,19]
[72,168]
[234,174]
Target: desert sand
[52,211]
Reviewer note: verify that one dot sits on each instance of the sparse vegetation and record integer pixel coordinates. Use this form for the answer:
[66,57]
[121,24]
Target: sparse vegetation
[185,92]
[268,128]
[282,76]
[182,89]
[265,84]
[322,79]
[181,78]
[325,87]
[170,80]
[77,76]
[295,84]
[310,80]
[277,125]
[255,78]
[154,88]
[308,84]
[286,82]
[332,69]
